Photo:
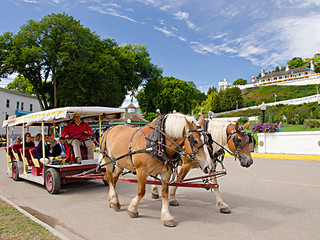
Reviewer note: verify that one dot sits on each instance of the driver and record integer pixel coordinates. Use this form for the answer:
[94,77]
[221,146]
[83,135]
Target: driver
[79,131]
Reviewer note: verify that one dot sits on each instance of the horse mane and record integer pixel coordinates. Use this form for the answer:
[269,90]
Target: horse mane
[176,123]
[218,131]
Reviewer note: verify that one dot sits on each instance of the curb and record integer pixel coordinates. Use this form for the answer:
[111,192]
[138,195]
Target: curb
[283,156]
[46,226]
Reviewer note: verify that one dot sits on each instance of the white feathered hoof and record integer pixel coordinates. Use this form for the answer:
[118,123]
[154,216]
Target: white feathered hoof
[225,210]
[115,206]
[155,196]
[169,223]
[133,214]
[173,202]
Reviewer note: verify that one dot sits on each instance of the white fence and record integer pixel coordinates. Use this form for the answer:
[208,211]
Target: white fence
[307,143]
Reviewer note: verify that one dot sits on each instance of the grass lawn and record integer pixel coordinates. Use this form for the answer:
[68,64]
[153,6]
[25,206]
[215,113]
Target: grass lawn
[15,225]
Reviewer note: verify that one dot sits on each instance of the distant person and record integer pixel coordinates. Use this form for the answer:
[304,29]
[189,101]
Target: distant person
[18,140]
[28,140]
[79,132]
[37,139]
[280,127]
[52,140]
[48,150]
[59,148]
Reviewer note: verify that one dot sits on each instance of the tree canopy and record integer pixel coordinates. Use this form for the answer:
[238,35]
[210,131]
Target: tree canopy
[67,64]
[240,81]
[296,62]
[20,84]
[168,94]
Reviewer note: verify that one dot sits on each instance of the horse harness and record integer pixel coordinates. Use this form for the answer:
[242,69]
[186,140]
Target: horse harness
[156,145]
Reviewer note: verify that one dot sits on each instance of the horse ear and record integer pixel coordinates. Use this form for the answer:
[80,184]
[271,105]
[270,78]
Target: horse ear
[246,125]
[189,125]
[201,121]
[236,126]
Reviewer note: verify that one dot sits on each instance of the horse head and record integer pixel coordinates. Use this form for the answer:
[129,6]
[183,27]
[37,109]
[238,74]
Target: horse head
[238,142]
[187,133]
[196,145]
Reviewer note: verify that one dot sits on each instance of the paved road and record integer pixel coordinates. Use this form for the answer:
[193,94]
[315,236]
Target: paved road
[273,199]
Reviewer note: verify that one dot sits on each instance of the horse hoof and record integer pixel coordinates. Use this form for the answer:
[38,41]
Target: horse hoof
[225,210]
[133,214]
[115,206]
[154,196]
[169,223]
[174,202]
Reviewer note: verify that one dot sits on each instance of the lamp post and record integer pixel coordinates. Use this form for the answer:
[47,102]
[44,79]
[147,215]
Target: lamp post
[201,110]
[236,104]
[275,98]
[263,108]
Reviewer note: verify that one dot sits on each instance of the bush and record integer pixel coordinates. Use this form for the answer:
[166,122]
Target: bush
[243,120]
[264,127]
[311,123]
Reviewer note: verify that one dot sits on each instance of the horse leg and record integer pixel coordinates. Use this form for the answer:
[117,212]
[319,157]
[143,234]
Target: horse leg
[185,168]
[112,180]
[154,192]
[133,206]
[224,208]
[166,217]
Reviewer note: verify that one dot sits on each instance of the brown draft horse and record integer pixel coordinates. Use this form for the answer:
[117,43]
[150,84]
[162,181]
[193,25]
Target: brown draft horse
[121,139]
[223,133]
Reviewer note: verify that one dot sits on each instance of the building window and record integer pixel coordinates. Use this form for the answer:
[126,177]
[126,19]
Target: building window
[31,108]
[18,105]
[8,103]
[7,116]
[22,106]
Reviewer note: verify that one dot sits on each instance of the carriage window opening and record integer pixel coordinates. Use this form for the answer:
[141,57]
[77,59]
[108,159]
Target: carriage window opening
[22,106]
[18,105]
[31,107]
[8,103]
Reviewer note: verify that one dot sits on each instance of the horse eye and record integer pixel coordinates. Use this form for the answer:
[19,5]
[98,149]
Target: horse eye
[239,139]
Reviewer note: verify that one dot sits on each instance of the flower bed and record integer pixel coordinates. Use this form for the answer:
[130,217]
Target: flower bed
[264,127]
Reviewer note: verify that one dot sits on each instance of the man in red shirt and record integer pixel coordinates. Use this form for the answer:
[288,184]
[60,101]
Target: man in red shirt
[79,131]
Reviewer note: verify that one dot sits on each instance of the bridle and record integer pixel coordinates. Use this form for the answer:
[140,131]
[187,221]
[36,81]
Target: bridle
[192,142]
[236,142]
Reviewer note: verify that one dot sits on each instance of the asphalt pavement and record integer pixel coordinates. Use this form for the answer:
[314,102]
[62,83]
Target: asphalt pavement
[273,199]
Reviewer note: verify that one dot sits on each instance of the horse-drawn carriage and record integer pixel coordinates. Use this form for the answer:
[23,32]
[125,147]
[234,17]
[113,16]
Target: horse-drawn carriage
[157,149]
[22,162]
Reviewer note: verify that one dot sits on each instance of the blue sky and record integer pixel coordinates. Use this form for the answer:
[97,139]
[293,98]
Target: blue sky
[202,41]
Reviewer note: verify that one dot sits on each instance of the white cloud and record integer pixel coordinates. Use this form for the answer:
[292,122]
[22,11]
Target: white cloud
[112,12]
[184,16]
[31,1]
[164,30]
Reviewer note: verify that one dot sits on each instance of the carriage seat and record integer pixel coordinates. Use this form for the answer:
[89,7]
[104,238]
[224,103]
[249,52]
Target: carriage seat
[10,154]
[37,167]
[16,152]
[27,154]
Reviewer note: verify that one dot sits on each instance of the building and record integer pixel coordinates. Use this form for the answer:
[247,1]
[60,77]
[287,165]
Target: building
[223,85]
[16,103]
[296,76]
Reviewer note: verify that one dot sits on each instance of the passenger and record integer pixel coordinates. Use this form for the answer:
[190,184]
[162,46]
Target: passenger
[79,131]
[37,139]
[48,150]
[28,140]
[60,149]
[53,140]
[18,140]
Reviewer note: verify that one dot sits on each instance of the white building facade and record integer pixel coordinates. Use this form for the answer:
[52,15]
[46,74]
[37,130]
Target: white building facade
[13,102]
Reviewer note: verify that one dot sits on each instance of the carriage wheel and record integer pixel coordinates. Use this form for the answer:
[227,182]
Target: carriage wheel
[15,171]
[52,180]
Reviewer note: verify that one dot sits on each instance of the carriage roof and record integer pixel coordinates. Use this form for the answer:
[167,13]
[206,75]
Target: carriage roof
[58,115]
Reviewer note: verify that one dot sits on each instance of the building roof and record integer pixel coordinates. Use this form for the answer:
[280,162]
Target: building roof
[131,106]
[132,116]
[291,71]
[16,92]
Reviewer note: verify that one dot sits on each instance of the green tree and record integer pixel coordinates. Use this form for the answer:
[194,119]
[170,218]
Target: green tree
[67,64]
[240,81]
[168,94]
[20,84]
[211,90]
[296,62]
